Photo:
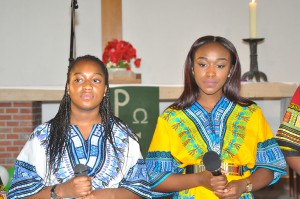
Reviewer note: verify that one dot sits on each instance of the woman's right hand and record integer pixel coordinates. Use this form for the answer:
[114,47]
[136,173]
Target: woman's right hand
[75,188]
[213,183]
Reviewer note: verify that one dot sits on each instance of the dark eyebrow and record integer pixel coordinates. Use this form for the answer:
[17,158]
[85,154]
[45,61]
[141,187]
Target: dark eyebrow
[79,73]
[222,58]
[202,58]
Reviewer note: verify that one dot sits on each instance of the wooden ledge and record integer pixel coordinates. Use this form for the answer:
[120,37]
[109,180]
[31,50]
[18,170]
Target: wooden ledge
[274,90]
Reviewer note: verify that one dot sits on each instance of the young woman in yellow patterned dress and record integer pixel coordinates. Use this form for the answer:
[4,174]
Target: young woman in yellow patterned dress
[210,115]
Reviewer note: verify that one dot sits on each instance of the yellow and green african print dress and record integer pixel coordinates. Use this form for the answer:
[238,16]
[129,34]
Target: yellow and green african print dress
[241,136]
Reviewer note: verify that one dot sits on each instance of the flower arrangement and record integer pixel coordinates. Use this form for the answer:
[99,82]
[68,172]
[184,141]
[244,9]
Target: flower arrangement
[118,54]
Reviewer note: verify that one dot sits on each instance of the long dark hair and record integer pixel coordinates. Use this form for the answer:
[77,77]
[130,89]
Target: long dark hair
[60,125]
[231,88]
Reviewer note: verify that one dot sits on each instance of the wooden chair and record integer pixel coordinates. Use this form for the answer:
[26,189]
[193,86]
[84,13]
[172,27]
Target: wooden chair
[294,184]
[297,186]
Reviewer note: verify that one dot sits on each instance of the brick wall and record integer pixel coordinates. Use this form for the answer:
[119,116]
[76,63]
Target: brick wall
[17,121]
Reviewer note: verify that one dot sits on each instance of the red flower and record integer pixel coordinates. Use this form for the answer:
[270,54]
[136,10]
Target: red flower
[119,54]
[137,63]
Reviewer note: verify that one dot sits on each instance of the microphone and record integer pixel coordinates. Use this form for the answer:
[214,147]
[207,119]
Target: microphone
[212,163]
[80,170]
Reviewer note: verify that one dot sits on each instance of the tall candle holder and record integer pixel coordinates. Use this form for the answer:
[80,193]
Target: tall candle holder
[254,72]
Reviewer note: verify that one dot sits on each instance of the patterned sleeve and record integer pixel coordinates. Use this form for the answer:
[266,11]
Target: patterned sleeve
[269,155]
[288,134]
[136,180]
[30,169]
[160,162]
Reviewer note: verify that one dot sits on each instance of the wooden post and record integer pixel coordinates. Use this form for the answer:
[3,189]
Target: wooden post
[111,17]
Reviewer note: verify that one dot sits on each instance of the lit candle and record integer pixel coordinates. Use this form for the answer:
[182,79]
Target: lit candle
[252,6]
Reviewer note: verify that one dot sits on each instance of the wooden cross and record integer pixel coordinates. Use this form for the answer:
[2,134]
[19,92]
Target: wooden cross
[111,16]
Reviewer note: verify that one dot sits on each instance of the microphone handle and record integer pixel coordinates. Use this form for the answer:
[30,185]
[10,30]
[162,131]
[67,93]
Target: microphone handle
[217,172]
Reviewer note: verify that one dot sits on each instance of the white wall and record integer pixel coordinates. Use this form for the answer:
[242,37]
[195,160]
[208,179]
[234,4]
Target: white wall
[163,31]
[35,38]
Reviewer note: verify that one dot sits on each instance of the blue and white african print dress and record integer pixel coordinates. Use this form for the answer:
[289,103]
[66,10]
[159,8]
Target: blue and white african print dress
[130,173]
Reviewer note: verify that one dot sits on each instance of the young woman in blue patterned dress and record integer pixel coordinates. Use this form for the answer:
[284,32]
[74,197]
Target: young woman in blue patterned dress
[84,131]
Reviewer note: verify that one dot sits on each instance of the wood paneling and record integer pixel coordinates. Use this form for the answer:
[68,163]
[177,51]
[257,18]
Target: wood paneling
[111,17]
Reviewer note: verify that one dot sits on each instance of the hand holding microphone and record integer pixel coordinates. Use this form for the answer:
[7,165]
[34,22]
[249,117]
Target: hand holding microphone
[83,186]
[80,170]
[77,187]
[212,163]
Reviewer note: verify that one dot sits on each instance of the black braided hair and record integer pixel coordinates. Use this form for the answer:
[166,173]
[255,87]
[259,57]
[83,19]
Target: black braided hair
[59,137]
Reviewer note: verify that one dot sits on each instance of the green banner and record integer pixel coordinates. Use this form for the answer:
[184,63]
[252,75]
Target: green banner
[138,106]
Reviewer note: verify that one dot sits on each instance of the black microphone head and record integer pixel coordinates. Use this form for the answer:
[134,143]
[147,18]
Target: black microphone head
[80,170]
[211,161]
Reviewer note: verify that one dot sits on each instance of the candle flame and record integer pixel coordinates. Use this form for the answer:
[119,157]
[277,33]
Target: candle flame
[253,1]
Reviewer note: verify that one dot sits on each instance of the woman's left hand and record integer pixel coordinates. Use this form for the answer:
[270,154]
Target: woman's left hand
[92,195]
[111,193]
[233,190]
